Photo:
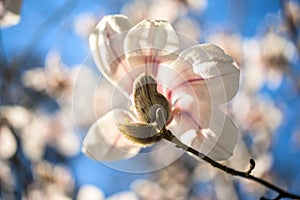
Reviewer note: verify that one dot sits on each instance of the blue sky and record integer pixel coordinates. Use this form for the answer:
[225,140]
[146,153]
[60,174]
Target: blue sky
[46,26]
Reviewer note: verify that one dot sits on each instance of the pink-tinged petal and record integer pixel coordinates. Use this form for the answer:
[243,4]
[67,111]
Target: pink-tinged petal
[207,68]
[150,43]
[188,114]
[106,44]
[216,141]
[151,36]
[105,142]
[191,109]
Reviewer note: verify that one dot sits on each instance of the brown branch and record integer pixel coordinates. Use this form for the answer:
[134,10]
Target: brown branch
[281,193]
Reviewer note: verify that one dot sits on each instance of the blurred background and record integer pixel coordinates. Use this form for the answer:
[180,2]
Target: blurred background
[43,44]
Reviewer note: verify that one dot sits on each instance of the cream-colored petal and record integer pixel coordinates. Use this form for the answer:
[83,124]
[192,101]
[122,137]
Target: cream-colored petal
[150,43]
[106,44]
[207,67]
[216,141]
[151,37]
[191,109]
[105,142]
[189,114]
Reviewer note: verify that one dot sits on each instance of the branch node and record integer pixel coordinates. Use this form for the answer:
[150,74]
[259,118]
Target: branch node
[251,167]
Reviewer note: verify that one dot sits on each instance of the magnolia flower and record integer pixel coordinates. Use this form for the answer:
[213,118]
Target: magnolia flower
[162,89]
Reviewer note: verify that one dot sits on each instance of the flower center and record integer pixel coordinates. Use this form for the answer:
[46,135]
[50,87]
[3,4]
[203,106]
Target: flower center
[149,104]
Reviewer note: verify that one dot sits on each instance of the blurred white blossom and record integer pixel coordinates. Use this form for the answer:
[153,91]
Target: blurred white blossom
[84,24]
[55,78]
[230,43]
[147,190]
[34,136]
[90,192]
[125,195]
[8,144]
[168,10]
[276,51]
[10,12]
[16,115]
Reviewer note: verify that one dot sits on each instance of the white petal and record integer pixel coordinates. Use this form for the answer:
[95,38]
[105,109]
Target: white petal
[218,140]
[150,43]
[105,142]
[186,120]
[151,37]
[188,137]
[207,65]
[221,143]
[194,113]
[106,44]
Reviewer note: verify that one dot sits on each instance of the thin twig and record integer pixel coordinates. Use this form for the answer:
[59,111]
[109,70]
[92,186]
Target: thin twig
[281,193]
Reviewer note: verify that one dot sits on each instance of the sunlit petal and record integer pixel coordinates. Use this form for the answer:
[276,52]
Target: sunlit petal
[191,110]
[151,37]
[218,140]
[150,43]
[105,142]
[207,67]
[106,44]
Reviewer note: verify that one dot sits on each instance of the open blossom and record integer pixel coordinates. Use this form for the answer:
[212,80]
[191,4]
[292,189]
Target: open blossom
[163,88]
